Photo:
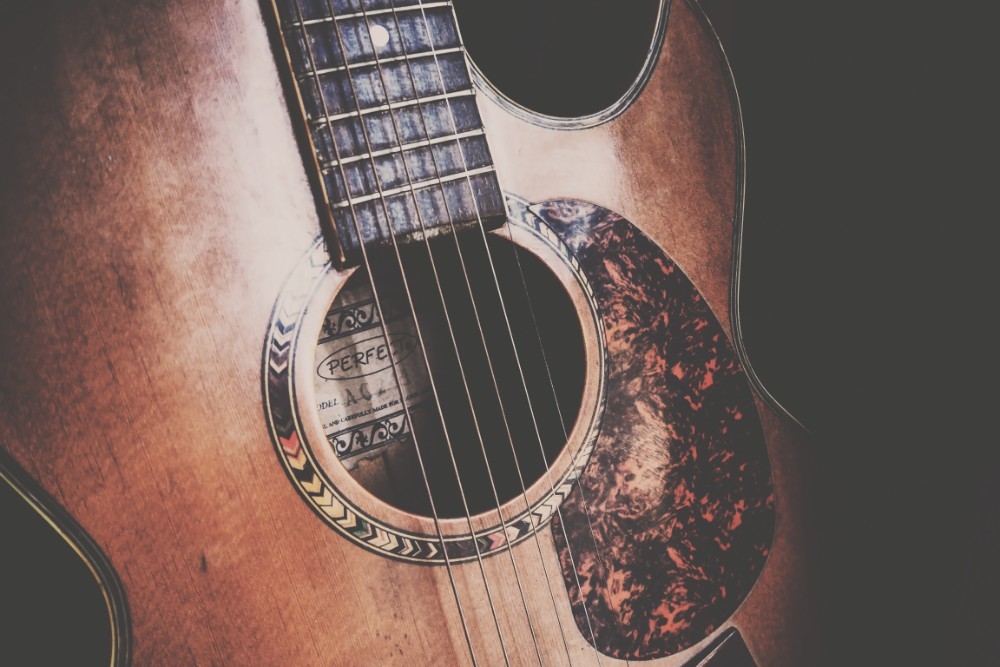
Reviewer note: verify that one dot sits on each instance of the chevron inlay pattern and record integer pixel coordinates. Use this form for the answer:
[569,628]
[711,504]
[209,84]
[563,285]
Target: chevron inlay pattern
[333,505]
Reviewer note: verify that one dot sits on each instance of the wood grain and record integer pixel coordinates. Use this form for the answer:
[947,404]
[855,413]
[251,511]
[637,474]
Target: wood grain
[153,199]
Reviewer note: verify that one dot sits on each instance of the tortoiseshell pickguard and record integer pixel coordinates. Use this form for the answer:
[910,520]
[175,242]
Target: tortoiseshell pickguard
[673,518]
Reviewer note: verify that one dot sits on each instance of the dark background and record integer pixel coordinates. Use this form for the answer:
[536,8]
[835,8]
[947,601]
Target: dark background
[867,302]
[867,297]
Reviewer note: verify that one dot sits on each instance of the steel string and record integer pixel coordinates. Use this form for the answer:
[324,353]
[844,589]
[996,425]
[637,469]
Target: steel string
[409,297]
[517,355]
[382,320]
[478,320]
[444,306]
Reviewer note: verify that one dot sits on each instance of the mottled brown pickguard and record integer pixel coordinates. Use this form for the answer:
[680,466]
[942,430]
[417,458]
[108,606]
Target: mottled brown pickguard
[673,517]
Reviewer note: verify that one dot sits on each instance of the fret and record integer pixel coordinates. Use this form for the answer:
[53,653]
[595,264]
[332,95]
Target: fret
[389,88]
[403,148]
[394,106]
[319,10]
[373,63]
[463,196]
[411,187]
[348,41]
[386,173]
[416,123]
[313,10]
[400,12]
[393,122]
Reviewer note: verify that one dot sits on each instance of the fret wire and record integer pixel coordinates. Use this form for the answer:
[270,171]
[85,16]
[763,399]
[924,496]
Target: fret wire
[323,120]
[414,187]
[405,147]
[328,128]
[371,63]
[362,14]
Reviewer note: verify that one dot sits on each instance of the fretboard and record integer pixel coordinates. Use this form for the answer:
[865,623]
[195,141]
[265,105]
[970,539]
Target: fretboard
[390,111]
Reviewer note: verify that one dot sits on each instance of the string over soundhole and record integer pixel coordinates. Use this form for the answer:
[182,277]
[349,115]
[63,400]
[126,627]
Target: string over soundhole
[450,393]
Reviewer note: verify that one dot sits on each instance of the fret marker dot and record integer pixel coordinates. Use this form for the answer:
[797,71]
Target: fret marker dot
[380,36]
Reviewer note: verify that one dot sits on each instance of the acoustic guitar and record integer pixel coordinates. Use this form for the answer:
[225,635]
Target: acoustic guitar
[322,349]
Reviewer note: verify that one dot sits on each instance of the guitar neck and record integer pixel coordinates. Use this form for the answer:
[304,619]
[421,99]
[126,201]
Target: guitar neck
[389,108]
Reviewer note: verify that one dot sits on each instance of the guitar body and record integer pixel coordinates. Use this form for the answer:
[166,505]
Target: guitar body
[164,284]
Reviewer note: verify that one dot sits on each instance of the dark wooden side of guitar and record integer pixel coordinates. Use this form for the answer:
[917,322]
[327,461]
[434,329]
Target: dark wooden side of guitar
[153,201]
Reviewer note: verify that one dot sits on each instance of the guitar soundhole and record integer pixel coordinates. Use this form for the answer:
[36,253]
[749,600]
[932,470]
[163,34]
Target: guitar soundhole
[378,416]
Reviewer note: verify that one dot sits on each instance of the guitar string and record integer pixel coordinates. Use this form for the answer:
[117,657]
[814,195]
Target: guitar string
[479,324]
[562,420]
[384,326]
[451,218]
[399,140]
[409,296]
[516,354]
[562,423]
[503,307]
[515,250]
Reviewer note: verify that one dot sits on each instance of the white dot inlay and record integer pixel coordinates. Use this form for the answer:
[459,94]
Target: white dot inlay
[380,36]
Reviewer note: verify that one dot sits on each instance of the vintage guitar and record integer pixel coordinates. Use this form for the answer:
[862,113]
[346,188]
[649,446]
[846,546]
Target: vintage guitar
[464,390]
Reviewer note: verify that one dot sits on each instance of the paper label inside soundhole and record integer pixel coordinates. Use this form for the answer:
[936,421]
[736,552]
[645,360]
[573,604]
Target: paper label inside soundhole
[359,401]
